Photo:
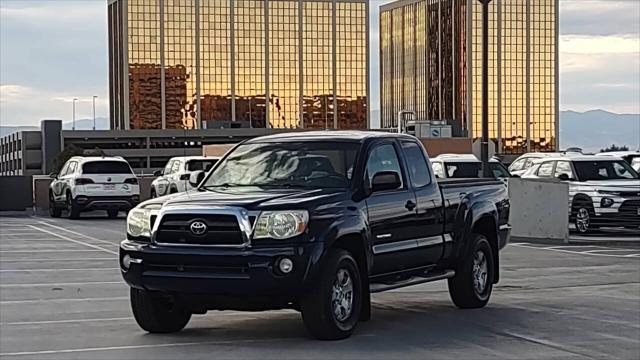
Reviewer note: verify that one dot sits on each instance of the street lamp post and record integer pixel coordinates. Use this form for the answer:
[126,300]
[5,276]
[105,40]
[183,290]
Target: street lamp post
[484,148]
[73,124]
[94,112]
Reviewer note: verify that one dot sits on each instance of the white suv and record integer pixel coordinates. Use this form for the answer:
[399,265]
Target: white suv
[93,183]
[174,178]
[603,190]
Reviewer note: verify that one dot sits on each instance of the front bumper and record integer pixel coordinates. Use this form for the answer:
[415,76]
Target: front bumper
[226,272]
[625,213]
[120,203]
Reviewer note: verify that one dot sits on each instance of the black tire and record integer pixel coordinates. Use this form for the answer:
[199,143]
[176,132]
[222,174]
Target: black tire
[582,214]
[462,287]
[173,190]
[318,305]
[157,314]
[54,211]
[112,214]
[72,207]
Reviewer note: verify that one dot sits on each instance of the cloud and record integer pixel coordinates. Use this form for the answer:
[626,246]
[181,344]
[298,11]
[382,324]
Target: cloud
[587,44]
[599,17]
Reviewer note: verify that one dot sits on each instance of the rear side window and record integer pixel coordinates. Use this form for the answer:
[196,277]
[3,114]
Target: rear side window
[418,168]
[200,165]
[106,167]
[546,169]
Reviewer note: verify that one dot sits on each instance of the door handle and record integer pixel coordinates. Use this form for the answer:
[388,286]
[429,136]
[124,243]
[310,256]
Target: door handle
[410,205]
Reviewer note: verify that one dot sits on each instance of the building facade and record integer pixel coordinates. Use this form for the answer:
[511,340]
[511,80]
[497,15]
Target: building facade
[431,64]
[238,63]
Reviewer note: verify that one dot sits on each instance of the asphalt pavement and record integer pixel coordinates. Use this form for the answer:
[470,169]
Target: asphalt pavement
[62,297]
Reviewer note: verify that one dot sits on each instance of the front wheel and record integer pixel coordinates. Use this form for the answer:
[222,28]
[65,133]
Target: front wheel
[157,313]
[331,309]
[471,287]
[582,219]
[112,214]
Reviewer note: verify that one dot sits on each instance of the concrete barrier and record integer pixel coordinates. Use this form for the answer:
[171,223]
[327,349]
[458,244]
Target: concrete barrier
[539,209]
[15,193]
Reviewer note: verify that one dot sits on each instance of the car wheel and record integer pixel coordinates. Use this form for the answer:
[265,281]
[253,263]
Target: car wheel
[173,190]
[54,211]
[72,207]
[471,287]
[331,310]
[112,214]
[582,215]
[156,313]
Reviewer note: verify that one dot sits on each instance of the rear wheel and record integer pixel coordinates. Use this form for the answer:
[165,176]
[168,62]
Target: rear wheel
[54,211]
[471,287]
[331,309]
[112,214]
[72,207]
[156,313]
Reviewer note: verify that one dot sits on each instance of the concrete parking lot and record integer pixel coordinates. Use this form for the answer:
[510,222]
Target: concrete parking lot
[62,297]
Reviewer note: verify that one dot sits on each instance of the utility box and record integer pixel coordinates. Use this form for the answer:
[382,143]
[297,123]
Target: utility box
[429,129]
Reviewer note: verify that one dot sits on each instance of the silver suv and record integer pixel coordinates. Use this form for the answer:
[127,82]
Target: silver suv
[174,178]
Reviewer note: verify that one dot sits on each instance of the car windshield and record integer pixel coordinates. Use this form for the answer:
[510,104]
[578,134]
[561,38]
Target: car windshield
[604,170]
[204,165]
[287,165]
[106,167]
[635,163]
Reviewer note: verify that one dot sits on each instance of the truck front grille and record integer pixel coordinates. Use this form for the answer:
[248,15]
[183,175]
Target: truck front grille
[221,230]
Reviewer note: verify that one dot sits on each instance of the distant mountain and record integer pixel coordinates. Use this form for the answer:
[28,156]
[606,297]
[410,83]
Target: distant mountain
[6,130]
[597,129]
[81,124]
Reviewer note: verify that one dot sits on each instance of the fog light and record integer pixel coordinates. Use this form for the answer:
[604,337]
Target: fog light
[285,265]
[126,261]
[606,202]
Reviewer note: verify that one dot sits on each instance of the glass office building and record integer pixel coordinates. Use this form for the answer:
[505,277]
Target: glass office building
[431,63]
[238,63]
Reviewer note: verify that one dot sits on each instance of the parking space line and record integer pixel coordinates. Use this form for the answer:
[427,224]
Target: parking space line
[76,241]
[145,346]
[35,301]
[62,284]
[75,259]
[571,252]
[593,251]
[79,234]
[54,270]
[3,234]
[64,321]
[45,251]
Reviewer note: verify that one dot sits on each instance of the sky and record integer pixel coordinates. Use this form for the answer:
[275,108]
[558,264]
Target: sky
[52,51]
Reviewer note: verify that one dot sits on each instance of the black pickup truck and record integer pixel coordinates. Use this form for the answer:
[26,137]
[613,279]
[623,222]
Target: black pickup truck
[313,221]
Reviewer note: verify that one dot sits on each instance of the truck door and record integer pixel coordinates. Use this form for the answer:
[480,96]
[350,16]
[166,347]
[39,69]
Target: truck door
[392,213]
[430,214]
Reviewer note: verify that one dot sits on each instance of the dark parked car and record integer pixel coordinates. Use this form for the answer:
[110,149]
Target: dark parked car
[314,222]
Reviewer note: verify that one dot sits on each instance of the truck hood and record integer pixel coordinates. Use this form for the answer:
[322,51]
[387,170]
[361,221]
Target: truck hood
[249,198]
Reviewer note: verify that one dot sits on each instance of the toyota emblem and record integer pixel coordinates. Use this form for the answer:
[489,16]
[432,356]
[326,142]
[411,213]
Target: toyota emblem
[198,227]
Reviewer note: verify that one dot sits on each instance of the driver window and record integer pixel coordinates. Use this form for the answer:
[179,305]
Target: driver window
[72,168]
[63,172]
[437,169]
[383,158]
[518,165]
[546,169]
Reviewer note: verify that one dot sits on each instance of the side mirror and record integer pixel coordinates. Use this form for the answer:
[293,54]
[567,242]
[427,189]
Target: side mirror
[158,173]
[563,177]
[196,178]
[53,175]
[385,180]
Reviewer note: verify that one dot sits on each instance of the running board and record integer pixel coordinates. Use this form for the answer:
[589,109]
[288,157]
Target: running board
[414,280]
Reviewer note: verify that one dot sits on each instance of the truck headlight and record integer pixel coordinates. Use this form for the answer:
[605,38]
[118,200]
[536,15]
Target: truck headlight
[281,224]
[139,222]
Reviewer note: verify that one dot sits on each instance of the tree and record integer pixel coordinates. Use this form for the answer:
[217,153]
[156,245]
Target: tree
[66,154]
[614,147]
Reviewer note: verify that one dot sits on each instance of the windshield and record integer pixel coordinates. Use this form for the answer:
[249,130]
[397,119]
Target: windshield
[285,165]
[106,167]
[635,163]
[604,170]
[204,165]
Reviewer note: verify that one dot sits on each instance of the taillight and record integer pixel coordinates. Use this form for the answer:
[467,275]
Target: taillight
[133,181]
[81,181]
